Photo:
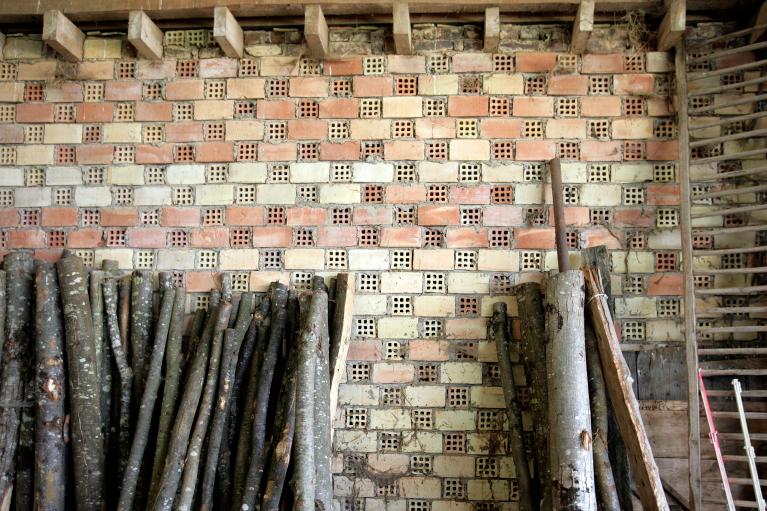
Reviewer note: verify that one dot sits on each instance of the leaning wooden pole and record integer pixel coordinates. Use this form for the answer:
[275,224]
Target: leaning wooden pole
[142,298]
[572,468]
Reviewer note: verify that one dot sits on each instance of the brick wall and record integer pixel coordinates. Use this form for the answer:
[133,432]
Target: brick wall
[421,173]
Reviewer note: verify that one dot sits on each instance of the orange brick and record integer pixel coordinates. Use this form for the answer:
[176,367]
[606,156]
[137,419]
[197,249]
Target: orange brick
[364,350]
[596,236]
[470,195]
[307,129]
[435,127]
[85,238]
[370,215]
[594,150]
[306,216]
[421,349]
[244,215]
[403,150]
[600,106]
[309,86]
[468,106]
[531,150]
[401,237]
[149,154]
[190,131]
[665,284]
[663,194]
[500,128]
[26,239]
[339,108]
[638,84]
[9,217]
[41,112]
[97,153]
[275,109]
[59,217]
[532,237]
[122,90]
[200,281]
[343,67]
[568,85]
[85,112]
[277,152]
[438,215]
[643,217]
[607,63]
[575,216]
[341,151]
[336,237]
[662,150]
[181,217]
[210,237]
[269,236]
[540,106]
[185,89]
[146,237]
[63,92]
[404,194]
[466,237]
[535,62]
[214,152]
[119,217]
[371,86]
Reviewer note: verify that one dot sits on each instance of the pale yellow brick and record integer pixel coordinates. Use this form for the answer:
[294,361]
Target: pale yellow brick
[214,195]
[461,372]
[315,172]
[123,256]
[432,396]
[468,283]
[357,487]
[175,259]
[241,129]
[599,194]
[340,194]
[487,489]
[363,259]
[389,504]
[392,418]
[12,92]
[389,463]
[484,443]
[449,505]
[87,196]
[634,128]
[126,175]
[486,305]
[437,85]
[498,260]
[739,146]
[659,62]
[466,328]
[363,172]
[432,305]
[487,397]
[14,176]
[54,176]
[370,305]
[420,487]
[635,307]
[496,172]
[665,330]
[421,441]
[32,197]
[398,328]
[238,259]
[401,282]
[454,420]
[438,172]
[250,172]
[470,149]
[279,66]
[504,84]
[550,261]
[211,109]
[122,132]
[672,239]
[631,172]
[24,47]
[486,352]
[34,155]
[573,172]
[102,48]
[191,174]
[453,466]
[276,194]
[67,133]
[633,262]
[370,129]
[152,196]
[358,395]
[261,280]
[304,259]
[402,106]
[529,193]
[439,259]
[506,467]
[711,132]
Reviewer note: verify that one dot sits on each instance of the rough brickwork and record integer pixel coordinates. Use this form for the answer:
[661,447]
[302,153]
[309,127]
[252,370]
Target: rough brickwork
[422,173]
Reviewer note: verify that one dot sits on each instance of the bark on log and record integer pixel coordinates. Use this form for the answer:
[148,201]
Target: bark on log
[514,413]
[3,306]
[572,467]
[322,418]
[50,385]
[124,305]
[97,317]
[146,410]
[84,392]
[142,299]
[533,354]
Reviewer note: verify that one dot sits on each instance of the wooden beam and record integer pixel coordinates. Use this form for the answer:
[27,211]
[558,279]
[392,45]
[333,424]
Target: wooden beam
[584,24]
[316,31]
[760,21]
[145,36]
[340,334]
[227,32]
[63,36]
[673,25]
[403,39]
[492,29]
[2,45]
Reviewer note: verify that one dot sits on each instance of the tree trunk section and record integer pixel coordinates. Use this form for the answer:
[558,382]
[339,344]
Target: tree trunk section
[142,300]
[322,418]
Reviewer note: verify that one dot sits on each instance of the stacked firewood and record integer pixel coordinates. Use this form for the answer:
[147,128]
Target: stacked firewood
[111,398]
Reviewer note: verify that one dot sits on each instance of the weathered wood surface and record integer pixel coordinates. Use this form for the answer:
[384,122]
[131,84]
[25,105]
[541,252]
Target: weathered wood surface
[340,335]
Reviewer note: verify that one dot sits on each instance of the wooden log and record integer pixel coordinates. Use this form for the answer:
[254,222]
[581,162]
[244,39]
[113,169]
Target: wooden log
[673,25]
[3,307]
[85,403]
[105,373]
[145,36]
[557,195]
[492,29]
[618,379]
[322,417]
[514,413]
[316,31]
[583,25]
[572,467]
[401,30]
[142,298]
[533,354]
[50,385]
[63,36]
[227,32]
[340,334]
[124,311]
[25,454]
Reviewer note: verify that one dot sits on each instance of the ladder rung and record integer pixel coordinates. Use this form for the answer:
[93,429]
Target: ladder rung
[731,174]
[727,138]
[726,104]
[713,231]
[729,120]
[702,75]
[731,351]
[731,271]
[746,309]
[725,251]
[734,156]
[759,437]
[747,290]
[731,191]
[728,51]
[736,415]
[733,329]
[730,211]
[730,393]
[734,372]
[728,87]
[738,503]
[726,37]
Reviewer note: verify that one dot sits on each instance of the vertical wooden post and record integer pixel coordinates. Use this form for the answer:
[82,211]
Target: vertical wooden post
[316,31]
[492,29]
[403,40]
[2,44]
[228,33]
[63,36]
[584,24]
[761,19]
[144,35]
[555,167]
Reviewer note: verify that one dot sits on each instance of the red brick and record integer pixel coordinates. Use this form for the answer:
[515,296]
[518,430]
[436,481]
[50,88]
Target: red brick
[59,217]
[11,134]
[64,92]
[335,237]
[146,237]
[218,68]
[659,107]
[364,350]
[662,150]
[154,111]
[594,150]
[122,90]
[342,151]
[371,215]
[472,63]
[607,63]
[308,86]
[118,217]
[306,216]
[181,217]
[85,238]
[525,106]
[26,239]
[37,112]
[40,70]
[468,106]
[96,153]
[574,216]
[214,152]
[531,150]
[244,215]
[405,194]
[9,217]
[403,150]
[500,128]
[339,108]
[568,85]
[50,255]
[501,216]
[435,127]
[186,89]
[183,131]
[466,237]
[277,152]
[92,112]
[534,237]
[438,215]
[433,351]
[272,236]
[307,129]
[343,67]
[728,60]
[639,84]
[150,154]
[595,236]
[275,109]
[200,281]
[210,237]
[665,284]
[371,86]
[470,195]
[663,194]
[535,62]
[401,237]
[642,217]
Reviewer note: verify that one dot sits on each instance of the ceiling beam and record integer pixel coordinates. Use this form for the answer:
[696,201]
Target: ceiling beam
[582,27]
[403,38]
[145,36]
[492,29]
[227,32]
[673,25]
[316,31]
[2,44]
[761,19]
[63,36]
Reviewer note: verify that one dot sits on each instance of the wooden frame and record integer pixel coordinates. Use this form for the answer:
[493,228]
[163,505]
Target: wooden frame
[63,36]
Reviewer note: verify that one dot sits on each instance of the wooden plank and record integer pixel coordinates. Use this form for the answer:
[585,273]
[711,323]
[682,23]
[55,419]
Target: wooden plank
[145,36]
[622,397]
[673,25]
[2,44]
[492,29]
[228,33]
[582,27]
[661,374]
[340,334]
[759,21]
[63,36]
[403,38]
[316,31]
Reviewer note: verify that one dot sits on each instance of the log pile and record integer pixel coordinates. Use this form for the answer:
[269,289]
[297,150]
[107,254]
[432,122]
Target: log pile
[110,398]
